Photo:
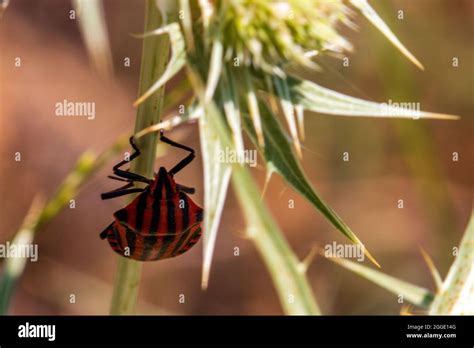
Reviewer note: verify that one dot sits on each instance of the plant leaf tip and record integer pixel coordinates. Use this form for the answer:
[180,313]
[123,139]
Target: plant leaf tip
[204,284]
[371,258]
[413,59]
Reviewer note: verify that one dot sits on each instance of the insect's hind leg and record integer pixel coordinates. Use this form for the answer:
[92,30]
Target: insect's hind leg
[130,176]
[118,193]
[185,161]
[124,190]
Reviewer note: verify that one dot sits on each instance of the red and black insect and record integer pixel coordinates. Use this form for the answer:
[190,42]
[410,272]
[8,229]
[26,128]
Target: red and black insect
[162,221]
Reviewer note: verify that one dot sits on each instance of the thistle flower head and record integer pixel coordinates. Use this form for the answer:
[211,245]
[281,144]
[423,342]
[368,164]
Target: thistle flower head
[266,34]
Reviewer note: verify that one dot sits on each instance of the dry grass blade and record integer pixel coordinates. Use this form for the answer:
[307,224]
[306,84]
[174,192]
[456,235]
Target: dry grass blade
[93,29]
[41,213]
[3,6]
[193,113]
[14,266]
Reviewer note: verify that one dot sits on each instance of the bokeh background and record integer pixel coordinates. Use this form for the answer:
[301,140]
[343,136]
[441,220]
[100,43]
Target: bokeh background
[389,160]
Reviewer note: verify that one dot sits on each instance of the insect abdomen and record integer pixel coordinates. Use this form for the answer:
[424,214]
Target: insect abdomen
[129,243]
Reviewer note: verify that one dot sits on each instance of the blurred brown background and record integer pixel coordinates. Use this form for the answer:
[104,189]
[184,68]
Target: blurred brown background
[389,160]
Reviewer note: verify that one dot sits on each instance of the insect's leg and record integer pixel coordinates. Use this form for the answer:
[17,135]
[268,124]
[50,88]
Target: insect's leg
[131,176]
[173,143]
[117,178]
[185,189]
[125,174]
[185,161]
[119,192]
[134,155]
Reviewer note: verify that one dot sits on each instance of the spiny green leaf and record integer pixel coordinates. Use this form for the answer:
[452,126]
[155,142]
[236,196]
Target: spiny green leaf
[456,296]
[378,22]
[323,100]
[252,104]
[433,270]
[177,60]
[286,103]
[230,100]
[287,272]
[414,294]
[300,118]
[285,269]
[216,181]
[215,69]
[279,153]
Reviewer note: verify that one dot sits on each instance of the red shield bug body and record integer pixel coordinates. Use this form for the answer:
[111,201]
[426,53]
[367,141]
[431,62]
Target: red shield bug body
[162,221]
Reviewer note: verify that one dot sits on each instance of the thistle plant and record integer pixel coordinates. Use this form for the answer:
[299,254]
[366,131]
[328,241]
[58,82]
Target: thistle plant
[240,59]
[237,56]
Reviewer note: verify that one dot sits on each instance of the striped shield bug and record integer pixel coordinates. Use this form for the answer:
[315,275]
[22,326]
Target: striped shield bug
[162,221]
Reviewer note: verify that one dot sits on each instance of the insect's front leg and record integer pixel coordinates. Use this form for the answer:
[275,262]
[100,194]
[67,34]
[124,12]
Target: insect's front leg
[185,161]
[128,175]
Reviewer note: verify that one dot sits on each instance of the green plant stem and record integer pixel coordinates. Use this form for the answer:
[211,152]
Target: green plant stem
[287,272]
[154,58]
